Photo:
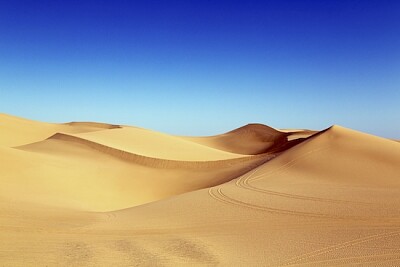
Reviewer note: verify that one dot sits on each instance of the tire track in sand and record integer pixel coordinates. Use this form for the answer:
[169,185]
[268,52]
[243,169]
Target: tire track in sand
[244,182]
[218,195]
[359,261]
[315,253]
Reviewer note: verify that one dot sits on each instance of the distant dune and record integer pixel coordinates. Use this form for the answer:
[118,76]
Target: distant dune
[251,139]
[95,194]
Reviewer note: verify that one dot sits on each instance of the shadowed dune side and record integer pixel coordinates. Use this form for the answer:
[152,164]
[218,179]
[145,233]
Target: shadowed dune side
[97,125]
[250,139]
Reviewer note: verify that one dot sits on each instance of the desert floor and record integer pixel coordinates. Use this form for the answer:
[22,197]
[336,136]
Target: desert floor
[96,194]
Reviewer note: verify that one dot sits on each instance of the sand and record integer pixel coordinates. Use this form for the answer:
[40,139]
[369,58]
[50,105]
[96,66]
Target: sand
[93,194]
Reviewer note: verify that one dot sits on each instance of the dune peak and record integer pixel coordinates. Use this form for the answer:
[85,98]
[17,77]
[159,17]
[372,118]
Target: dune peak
[255,127]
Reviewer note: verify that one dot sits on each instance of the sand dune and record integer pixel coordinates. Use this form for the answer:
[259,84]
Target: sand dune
[252,139]
[15,131]
[73,199]
[152,144]
[90,176]
[67,170]
[48,146]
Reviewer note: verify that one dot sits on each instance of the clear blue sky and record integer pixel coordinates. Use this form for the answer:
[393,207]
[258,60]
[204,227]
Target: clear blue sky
[203,67]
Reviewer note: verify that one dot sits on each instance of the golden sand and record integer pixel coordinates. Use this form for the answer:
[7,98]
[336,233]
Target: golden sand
[94,194]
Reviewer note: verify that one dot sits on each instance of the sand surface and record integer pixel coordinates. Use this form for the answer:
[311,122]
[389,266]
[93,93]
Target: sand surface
[95,194]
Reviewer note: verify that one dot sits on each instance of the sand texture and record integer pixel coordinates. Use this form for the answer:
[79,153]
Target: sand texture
[97,194]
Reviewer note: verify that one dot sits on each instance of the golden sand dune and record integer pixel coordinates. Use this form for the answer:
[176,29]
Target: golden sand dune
[68,171]
[152,144]
[251,139]
[72,200]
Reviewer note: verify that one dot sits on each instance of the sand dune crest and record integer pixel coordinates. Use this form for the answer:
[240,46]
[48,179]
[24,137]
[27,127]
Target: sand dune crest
[143,160]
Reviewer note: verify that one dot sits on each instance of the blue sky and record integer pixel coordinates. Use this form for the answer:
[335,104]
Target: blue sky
[203,67]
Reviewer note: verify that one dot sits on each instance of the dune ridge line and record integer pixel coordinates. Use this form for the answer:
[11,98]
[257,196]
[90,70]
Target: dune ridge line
[93,124]
[158,162]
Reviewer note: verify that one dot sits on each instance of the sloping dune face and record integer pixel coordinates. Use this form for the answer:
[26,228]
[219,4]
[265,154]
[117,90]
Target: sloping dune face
[73,197]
